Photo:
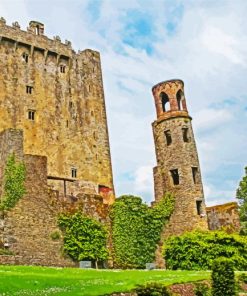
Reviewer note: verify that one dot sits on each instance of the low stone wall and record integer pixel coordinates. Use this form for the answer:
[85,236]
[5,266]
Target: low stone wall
[224,216]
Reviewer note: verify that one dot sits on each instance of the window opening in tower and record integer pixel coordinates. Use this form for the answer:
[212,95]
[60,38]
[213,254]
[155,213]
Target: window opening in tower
[165,102]
[185,132]
[199,207]
[175,176]
[168,137]
[195,174]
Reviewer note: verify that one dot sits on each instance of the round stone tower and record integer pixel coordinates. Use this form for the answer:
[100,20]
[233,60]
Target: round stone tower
[178,169]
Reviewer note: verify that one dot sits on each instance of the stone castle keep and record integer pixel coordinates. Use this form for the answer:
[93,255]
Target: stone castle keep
[53,118]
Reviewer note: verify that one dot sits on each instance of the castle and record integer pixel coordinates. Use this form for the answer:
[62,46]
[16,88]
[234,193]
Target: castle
[53,118]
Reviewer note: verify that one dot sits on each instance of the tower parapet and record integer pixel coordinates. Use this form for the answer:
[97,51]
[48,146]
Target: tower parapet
[178,169]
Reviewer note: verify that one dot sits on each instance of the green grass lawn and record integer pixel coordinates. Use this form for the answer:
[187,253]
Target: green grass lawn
[41,281]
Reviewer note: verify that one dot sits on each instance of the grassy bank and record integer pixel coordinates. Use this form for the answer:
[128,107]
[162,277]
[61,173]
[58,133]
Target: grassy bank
[41,281]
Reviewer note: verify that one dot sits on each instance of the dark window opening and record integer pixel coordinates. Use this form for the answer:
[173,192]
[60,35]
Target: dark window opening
[31,114]
[29,89]
[25,57]
[180,97]
[175,176]
[73,173]
[62,68]
[67,123]
[165,102]
[70,104]
[199,207]
[168,137]
[195,175]
[185,132]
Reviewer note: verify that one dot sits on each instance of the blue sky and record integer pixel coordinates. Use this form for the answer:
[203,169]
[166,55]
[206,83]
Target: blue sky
[143,42]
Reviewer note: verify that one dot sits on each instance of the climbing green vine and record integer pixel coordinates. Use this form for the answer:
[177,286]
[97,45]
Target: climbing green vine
[13,183]
[136,229]
[84,237]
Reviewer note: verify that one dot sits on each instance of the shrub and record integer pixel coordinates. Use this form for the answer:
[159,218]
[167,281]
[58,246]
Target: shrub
[201,289]
[55,235]
[136,229]
[152,289]
[197,250]
[84,237]
[223,278]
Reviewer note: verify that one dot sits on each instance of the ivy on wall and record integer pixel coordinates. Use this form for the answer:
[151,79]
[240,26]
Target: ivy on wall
[13,183]
[136,229]
[84,237]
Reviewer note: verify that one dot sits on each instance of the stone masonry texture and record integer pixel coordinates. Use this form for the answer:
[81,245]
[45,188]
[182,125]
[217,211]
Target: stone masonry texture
[63,91]
[225,216]
[53,118]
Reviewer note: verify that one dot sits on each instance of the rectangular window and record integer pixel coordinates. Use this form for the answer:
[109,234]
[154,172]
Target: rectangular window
[195,175]
[73,173]
[29,89]
[175,176]
[185,132]
[62,68]
[199,207]
[25,57]
[31,115]
[168,137]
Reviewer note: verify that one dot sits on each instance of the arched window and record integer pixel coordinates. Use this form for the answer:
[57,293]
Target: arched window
[180,97]
[165,102]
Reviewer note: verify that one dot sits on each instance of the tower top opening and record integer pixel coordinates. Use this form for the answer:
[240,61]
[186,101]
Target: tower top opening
[169,99]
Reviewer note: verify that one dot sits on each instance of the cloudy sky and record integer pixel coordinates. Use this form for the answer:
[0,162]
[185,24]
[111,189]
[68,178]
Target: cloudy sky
[143,42]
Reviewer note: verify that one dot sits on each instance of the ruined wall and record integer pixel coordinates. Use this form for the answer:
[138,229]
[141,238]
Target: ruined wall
[26,229]
[225,216]
[56,97]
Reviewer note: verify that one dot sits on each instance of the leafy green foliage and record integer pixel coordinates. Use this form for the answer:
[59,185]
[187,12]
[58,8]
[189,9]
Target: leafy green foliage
[152,289]
[136,229]
[197,250]
[201,289]
[242,196]
[55,235]
[13,183]
[223,278]
[84,237]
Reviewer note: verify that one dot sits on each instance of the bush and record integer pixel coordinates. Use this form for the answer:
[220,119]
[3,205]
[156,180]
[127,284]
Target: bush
[201,289]
[136,229]
[55,235]
[152,289]
[223,278]
[197,250]
[84,237]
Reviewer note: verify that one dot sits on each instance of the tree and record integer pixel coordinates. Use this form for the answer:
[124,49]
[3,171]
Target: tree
[84,237]
[242,196]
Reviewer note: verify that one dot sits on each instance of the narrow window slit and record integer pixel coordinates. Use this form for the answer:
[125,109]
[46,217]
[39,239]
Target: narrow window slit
[199,207]
[195,175]
[31,115]
[168,137]
[185,132]
[175,176]
[73,173]
[29,89]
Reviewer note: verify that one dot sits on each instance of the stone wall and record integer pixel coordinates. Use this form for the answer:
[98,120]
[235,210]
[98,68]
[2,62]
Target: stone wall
[225,216]
[64,90]
[26,230]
